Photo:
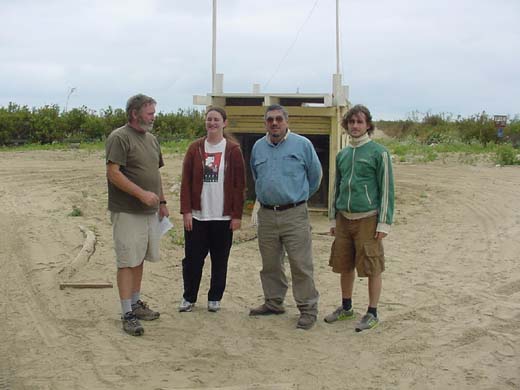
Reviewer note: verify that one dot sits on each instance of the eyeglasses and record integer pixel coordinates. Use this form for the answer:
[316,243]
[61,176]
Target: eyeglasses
[271,119]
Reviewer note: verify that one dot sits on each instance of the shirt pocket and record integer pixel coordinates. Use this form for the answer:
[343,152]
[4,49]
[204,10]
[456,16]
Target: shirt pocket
[260,168]
[292,165]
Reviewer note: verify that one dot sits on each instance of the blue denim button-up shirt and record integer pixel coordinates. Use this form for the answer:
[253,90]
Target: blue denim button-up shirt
[287,172]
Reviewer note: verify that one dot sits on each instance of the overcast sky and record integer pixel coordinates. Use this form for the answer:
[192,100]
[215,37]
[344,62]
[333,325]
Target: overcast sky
[397,56]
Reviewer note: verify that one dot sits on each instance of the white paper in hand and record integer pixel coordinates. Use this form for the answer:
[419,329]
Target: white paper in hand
[165,225]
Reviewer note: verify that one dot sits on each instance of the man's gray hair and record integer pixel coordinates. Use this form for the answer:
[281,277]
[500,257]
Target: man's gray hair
[277,107]
[137,102]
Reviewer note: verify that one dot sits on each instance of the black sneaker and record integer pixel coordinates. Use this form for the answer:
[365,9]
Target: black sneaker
[131,324]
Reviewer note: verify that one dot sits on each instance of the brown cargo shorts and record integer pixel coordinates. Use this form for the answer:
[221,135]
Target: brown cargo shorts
[354,246]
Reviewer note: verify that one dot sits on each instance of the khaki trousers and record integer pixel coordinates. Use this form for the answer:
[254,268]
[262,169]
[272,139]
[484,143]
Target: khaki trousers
[287,230]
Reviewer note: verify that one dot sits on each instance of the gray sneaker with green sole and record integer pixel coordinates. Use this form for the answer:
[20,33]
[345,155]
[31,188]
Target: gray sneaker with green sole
[339,314]
[369,321]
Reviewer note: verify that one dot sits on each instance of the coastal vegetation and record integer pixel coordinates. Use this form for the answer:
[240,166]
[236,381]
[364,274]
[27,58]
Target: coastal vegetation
[419,138]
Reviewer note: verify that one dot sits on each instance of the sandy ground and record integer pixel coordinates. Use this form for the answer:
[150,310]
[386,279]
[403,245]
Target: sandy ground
[450,308]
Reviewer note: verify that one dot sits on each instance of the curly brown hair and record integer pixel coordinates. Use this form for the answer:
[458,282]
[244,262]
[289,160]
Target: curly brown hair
[356,110]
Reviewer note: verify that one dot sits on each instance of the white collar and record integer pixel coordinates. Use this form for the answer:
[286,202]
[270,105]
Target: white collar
[359,141]
[282,140]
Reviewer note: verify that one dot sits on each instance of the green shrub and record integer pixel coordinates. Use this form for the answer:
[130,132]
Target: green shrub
[73,121]
[436,119]
[176,146]
[19,124]
[15,123]
[76,212]
[176,237]
[182,124]
[46,125]
[444,129]
[480,127]
[113,119]
[513,127]
[397,129]
[441,134]
[94,128]
[507,155]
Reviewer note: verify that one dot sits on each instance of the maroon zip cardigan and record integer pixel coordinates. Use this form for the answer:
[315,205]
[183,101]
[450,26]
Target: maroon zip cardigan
[234,178]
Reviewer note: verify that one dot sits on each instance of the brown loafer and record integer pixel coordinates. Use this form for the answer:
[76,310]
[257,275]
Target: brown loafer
[263,310]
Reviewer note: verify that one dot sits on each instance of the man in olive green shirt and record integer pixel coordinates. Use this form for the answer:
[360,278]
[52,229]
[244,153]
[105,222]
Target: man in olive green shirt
[136,202]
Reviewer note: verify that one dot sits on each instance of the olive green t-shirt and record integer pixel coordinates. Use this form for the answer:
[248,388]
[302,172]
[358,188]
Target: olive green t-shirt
[139,157]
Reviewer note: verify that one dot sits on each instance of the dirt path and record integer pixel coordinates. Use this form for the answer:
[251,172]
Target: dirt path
[450,304]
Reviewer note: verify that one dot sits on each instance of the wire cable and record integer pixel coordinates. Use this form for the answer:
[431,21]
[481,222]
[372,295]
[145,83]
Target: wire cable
[292,44]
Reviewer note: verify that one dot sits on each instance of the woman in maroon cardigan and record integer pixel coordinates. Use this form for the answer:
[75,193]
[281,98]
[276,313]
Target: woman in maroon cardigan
[212,200]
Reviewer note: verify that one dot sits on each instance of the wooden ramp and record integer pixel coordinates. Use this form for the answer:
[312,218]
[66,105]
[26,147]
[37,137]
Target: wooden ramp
[255,386]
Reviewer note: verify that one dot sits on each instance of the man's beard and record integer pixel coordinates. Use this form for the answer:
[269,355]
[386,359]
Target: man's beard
[146,126]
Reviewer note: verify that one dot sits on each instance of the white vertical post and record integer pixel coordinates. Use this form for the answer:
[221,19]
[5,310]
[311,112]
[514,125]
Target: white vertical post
[337,88]
[337,38]
[214,48]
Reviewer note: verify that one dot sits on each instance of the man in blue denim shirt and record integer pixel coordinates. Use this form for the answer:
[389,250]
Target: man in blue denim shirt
[287,171]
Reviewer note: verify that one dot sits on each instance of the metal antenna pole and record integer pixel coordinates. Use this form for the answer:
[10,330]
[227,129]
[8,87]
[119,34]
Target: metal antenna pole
[214,48]
[71,91]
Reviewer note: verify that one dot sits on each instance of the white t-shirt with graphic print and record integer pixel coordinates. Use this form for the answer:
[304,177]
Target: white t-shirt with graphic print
[212,197]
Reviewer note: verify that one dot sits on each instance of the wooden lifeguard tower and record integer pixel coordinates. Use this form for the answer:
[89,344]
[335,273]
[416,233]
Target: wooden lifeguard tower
[316,116]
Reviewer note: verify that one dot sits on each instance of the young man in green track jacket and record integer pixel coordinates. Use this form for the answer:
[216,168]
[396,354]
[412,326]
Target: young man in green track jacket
[361,214]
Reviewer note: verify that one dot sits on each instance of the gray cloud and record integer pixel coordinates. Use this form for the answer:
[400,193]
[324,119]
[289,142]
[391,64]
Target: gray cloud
[397,56]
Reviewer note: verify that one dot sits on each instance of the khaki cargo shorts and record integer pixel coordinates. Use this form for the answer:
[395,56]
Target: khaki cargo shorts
[136,238]
[354,246]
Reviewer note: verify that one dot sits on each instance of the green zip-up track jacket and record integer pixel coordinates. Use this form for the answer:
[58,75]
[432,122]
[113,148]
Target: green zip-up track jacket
[364,183]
